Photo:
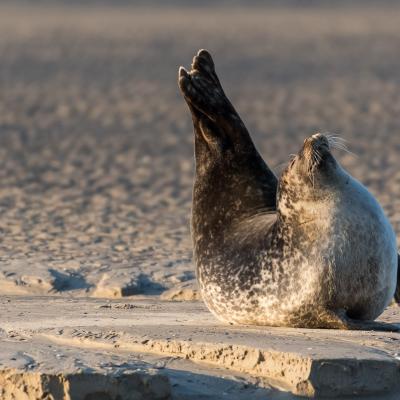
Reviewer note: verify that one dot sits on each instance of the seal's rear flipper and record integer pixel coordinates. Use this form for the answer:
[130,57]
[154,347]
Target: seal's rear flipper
[397,292]
[220,135]
[203,92]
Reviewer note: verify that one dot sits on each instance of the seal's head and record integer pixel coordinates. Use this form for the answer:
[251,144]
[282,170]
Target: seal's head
[313,161]
[311,175]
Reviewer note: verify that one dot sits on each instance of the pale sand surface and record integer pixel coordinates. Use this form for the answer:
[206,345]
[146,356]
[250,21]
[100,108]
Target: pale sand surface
[96,167]
[115,346]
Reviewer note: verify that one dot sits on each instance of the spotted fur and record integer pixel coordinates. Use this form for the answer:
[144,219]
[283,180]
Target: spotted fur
[313,249]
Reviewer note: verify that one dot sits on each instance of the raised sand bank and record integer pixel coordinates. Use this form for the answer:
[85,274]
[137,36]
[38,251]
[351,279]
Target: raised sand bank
[92,347]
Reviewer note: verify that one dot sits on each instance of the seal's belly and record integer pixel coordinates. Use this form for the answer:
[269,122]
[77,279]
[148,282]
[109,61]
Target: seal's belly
[349,263]
[362,275]
[280,295]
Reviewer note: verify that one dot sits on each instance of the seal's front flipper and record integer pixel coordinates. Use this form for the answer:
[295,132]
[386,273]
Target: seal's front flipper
[372,326]
[338,319]
[359,325]
[397,292]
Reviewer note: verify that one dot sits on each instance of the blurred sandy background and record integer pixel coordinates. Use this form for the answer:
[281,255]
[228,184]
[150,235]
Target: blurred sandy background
[96,160]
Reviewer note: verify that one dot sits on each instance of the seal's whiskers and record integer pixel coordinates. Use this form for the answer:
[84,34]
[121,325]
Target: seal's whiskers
[339,143]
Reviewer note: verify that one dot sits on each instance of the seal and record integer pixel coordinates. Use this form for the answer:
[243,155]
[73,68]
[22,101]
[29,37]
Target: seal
[311,249]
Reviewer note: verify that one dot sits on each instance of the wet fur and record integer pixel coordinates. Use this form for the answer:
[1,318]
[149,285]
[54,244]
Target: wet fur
[313,249]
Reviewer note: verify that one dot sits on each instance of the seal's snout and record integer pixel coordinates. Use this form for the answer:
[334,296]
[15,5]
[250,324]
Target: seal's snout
[317,142]
[320,140]
[315,152]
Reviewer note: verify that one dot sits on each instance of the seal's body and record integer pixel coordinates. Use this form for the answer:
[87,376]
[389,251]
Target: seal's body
[313,249]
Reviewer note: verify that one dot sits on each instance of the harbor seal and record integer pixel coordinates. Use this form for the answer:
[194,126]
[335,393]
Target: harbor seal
[311,249]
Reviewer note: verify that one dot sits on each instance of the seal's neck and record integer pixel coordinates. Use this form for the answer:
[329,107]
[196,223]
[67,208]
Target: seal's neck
[301,200]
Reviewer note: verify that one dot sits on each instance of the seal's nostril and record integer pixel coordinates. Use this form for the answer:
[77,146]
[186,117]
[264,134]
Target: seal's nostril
[324,141]
[319,140]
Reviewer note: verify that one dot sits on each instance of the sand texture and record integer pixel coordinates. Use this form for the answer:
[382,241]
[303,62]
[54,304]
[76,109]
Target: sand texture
[160,349]
[96,158]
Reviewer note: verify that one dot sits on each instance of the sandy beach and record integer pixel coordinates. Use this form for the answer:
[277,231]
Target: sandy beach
[96,143]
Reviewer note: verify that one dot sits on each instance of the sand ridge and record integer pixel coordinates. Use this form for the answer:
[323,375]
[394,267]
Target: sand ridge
[82,335]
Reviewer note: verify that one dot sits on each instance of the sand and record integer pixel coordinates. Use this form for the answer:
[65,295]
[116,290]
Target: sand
[161,350]
[96,157]
[96,142]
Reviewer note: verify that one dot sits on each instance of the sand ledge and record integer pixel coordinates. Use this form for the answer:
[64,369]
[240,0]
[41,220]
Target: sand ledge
[113,348]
